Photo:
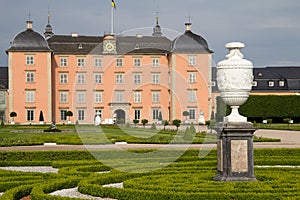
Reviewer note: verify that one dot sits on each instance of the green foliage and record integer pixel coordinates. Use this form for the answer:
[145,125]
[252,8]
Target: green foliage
[2,124]
[144,122]
[165,123]
[193,130]
[153,127]
[176,122]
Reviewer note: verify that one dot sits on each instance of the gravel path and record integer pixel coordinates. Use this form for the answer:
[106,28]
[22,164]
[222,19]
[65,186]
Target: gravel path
[39,169]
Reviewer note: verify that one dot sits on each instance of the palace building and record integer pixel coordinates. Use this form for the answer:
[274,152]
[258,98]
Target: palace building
[114,76]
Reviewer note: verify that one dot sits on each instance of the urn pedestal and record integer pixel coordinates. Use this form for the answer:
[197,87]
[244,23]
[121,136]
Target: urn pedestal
[235,152]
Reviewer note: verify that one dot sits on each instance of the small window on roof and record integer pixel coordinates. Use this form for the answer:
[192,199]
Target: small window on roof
[254,83]
[259,74]
[281,83]
[271,84]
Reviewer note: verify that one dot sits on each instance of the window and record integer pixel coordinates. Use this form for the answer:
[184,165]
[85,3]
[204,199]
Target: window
[80,62]
[281,83]
[155,114]
[155,62]
[98,97]
[97,62]
[137,97]
[137,114]
[155,78]
[271,84]
[29,60]
[119,62]
[155,97]
[63,97]
[192,114]
[192,60]
[98,78]
[119,96]
[63,115]
[29,96]
[137,62]
[30,115]
[81,115]
[213,83]
[80,78]
[254,83]
[30,77]
[137,78]
[81,97]
[63,78]
[63,62]
[192,97]
[119,78]
[192,77]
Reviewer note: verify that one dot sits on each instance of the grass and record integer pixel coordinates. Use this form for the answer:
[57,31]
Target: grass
[21,135]
[279,126]
[188,177]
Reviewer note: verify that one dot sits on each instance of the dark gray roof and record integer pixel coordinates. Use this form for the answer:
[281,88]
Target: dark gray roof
[83,45]
[3,78]
[190,43]
[29,40]
[80,45]
[290,76]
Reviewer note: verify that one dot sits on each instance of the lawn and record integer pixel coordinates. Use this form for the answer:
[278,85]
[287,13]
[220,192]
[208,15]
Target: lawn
[188,177]
[18,135]
[279,126]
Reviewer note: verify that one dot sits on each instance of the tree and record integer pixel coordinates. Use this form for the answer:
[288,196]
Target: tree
[153,127]
[144,122]
[176,122]
[13,115]
[69,114]
[136,121]
[41,118]
[165,123]
[186,114]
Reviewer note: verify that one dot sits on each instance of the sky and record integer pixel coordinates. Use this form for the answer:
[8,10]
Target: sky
[270,29]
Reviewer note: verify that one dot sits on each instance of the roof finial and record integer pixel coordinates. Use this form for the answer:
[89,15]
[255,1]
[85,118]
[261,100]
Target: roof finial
[29,22]
[48,30]
[188,25]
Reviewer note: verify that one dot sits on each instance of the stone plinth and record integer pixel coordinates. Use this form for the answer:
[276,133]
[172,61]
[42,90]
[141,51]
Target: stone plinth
[235,152]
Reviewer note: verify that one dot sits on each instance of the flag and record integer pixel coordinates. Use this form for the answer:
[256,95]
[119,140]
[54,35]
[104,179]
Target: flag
[113,4]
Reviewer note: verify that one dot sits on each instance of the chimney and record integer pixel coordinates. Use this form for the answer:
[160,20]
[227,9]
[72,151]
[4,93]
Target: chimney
[188,26]
[29,25]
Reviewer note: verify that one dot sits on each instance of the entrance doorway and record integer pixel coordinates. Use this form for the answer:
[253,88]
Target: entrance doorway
[120,116]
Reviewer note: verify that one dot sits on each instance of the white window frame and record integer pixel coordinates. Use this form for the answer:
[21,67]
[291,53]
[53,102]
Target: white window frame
[63,62]
[137,114]
[30,115]
[81,97]
[119,96]
[63,78]
[254,83]
[192,60]
[30,77]
[155,97]
[97,62]
[155,114]
[30,96]
[63,115]
[192,113]
[80,62]
[98,95]
[119,78]
[281,83]
[192,96]
[155,78]
[30,60]
[137,97]
[192,77]
[137,62]
[98,78]
[137,78]
[155,62]
[63,97]
[81,114]
[80,78]
[119,62]
[271,83]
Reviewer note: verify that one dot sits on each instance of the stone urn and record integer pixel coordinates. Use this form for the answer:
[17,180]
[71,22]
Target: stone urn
[97,119]
[235,77]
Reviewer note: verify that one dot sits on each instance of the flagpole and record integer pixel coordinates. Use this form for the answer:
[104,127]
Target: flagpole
[112,20]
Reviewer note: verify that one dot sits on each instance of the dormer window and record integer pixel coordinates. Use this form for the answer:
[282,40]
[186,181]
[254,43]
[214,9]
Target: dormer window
[254,83]
[80,46]
[271,84]
[281,83]
[259,74]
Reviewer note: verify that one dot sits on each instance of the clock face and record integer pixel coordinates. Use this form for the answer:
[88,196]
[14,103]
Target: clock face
[109,46]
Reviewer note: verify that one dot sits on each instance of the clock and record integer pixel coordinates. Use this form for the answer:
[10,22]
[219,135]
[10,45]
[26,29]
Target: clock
[109,46]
